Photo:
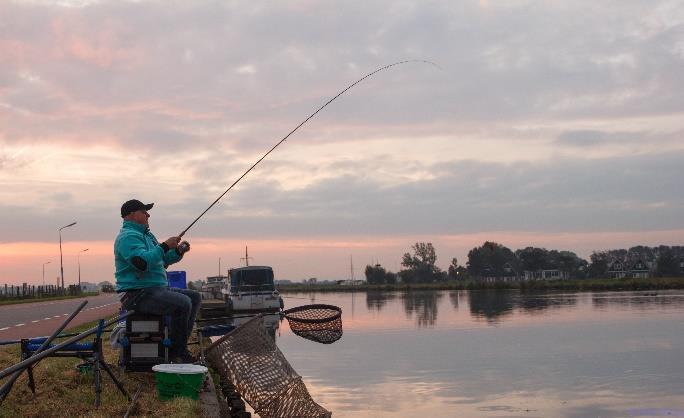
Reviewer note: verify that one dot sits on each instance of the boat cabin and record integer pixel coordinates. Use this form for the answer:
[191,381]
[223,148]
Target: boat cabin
[252,288]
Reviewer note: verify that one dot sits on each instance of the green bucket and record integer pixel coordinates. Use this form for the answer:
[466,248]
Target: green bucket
[184,380]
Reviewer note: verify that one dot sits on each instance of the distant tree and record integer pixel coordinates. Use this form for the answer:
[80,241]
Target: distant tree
[420,267]
[456,272]
[552,260]
[643,253]
[407,276]
[533,259]
[620,253]
[423,255]
[451,271]
[598,267]
[440,275]
[667,263]
[569,262]
[462,273]
[491,260]
[376,274]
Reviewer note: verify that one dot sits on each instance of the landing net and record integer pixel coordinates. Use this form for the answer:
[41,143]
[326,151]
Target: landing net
[320,323]
[249,358]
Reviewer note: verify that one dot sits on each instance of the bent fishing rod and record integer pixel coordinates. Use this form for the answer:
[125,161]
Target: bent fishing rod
[295,129]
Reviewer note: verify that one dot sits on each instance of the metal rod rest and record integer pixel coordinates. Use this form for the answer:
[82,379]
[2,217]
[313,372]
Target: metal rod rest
[29,361]
[7,387]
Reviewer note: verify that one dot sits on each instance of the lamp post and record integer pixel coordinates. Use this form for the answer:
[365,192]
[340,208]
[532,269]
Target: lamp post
[61,263]
[78,257]
[44,264]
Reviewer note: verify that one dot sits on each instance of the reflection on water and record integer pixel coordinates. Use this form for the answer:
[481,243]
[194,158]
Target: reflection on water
[637,300]
[490,304]
[495,305]
[497,354]
[540,303]
[422,304]
[454,296]
[377,300]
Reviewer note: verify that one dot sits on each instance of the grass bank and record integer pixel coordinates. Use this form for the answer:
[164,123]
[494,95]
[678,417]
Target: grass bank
[61,390]
[45,299]
[566,285]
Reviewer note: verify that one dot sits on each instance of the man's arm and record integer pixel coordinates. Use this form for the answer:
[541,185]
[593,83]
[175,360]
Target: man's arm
[132,248]
[175,255]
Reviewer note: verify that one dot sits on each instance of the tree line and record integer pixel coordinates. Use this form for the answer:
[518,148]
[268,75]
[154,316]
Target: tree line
[495,260]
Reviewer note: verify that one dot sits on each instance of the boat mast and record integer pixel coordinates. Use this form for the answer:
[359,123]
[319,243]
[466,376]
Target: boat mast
[246,257]
[351,265]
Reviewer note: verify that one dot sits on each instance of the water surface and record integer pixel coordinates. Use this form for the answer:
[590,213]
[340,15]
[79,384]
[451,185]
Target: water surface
[496,354]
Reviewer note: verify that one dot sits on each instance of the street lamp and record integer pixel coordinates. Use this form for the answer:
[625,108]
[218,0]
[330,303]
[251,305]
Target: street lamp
[79,267]
[44,264]
[61,264]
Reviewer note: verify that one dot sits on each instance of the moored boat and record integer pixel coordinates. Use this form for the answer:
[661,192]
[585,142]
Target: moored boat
[212,288]
[251,288]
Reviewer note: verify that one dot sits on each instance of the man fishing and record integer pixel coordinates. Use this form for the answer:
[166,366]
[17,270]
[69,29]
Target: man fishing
[140,262]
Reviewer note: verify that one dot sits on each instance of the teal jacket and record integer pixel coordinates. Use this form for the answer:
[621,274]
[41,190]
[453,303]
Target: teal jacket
[139,259]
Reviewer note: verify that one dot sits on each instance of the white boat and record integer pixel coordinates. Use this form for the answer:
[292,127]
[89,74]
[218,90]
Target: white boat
[212,288]
[251,288]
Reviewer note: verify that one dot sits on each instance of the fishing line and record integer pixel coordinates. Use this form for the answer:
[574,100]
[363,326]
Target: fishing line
[297,127]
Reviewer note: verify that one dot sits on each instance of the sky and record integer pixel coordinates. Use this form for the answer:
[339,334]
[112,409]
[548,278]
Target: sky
[550,124]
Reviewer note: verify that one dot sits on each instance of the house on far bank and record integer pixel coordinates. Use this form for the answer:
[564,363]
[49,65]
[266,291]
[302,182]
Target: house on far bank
[552,274]
[617,270]
[508,274]
[630,269]
[640,270]
[350,282]
[89,287]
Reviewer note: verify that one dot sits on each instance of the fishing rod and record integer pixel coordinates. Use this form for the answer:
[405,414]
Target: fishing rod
[295,129]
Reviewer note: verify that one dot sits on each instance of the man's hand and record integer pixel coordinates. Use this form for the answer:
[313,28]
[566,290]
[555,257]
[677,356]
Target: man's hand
[172,242]
[183,247]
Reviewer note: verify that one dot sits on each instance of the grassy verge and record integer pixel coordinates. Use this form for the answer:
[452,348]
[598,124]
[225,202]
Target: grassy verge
[45,299]
[569,285]
[61,390]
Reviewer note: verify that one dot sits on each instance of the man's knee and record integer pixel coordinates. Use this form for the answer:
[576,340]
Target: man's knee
[185,304]
[194,296]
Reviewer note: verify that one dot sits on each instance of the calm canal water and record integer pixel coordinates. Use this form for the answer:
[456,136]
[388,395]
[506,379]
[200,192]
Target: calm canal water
[496,354]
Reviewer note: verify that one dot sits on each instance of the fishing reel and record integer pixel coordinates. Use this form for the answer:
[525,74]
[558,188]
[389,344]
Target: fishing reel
[183,247]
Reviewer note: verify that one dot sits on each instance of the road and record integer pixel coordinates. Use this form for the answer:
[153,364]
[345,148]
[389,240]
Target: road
[42,318]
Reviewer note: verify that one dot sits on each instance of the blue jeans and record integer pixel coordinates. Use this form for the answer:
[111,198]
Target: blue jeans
[181,304]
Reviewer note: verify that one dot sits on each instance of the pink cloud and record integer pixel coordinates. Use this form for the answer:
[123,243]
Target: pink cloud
[15,52]
[100,47]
